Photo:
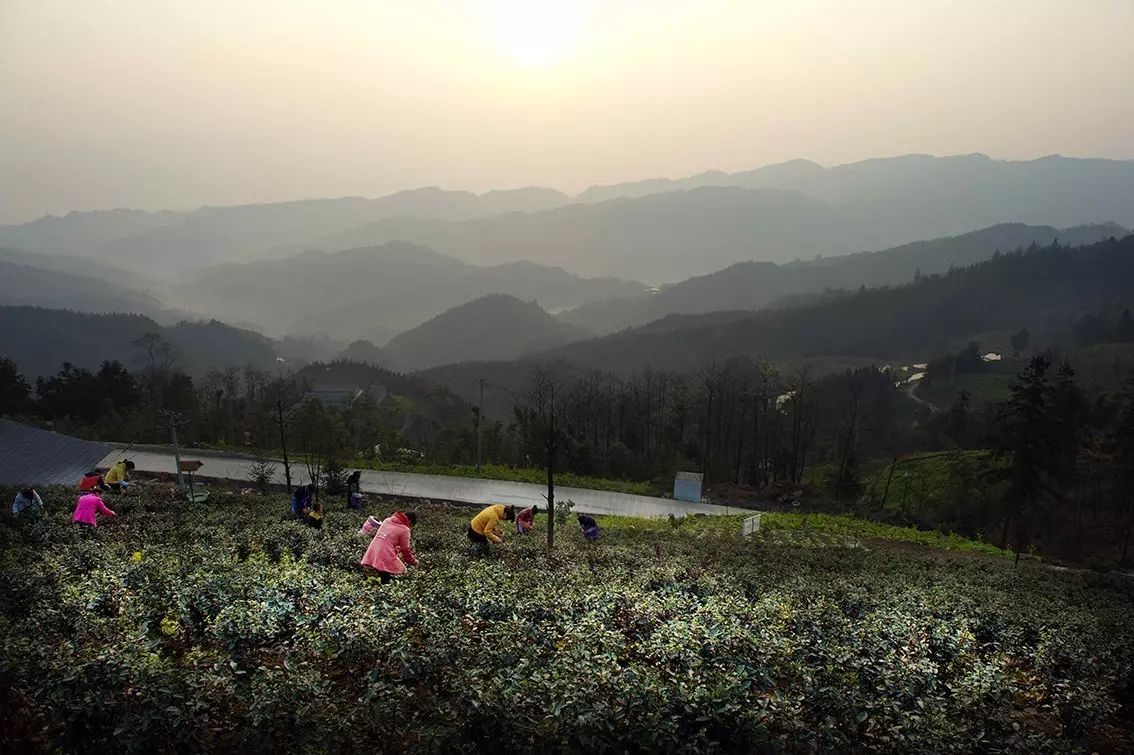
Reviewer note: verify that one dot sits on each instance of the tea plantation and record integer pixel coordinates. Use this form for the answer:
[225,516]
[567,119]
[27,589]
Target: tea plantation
[227,628]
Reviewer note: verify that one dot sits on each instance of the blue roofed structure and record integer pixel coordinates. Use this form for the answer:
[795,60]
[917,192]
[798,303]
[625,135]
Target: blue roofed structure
[30,456]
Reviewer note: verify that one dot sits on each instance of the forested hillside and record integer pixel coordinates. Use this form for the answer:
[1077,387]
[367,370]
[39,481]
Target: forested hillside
[493,327]
[1041,288]
[755,285]
[39,340]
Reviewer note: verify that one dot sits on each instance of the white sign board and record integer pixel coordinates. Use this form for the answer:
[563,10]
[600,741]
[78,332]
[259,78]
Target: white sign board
[752,524]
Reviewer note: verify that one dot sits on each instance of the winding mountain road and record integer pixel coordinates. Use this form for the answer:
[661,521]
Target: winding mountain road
[911,391]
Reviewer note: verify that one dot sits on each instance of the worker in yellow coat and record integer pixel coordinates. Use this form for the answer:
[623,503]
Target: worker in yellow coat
[118,477]
[483,528]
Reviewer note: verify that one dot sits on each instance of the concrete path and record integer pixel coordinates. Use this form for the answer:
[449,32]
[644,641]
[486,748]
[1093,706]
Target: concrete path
[911,391]
[437,487]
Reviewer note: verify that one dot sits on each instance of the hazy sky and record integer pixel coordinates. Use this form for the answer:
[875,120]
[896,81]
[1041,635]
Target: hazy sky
[178,103]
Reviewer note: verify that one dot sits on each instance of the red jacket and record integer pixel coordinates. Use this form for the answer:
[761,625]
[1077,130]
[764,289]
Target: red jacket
[391,540]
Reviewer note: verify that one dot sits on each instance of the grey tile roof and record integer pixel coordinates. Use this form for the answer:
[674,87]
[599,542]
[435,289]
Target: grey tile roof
[30,456]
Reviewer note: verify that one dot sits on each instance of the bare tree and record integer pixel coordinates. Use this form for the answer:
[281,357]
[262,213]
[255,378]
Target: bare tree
[287,393]
[709,377]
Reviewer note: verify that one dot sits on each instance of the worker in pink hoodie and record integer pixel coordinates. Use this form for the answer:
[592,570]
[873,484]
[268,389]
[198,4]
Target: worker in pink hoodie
[86,509]
[389,550]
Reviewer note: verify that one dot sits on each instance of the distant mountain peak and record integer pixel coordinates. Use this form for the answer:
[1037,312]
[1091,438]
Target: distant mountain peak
[492,327]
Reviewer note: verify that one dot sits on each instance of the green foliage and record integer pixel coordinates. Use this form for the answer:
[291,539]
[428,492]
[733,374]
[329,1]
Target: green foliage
[519,474]
[563,509]
[227,627]
[955,491]
[261,473]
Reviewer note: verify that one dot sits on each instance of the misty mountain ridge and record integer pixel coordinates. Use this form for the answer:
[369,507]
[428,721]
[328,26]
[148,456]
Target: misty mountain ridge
[365,352]
[364,293]
[669,230]
[493,327]
[754,285]
[27,285]
[168,242]
[870,204]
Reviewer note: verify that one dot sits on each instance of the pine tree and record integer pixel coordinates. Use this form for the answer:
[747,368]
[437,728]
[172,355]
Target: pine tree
[1026,437]
[959,421]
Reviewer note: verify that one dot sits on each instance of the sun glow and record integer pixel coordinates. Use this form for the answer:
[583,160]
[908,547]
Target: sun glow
[536,32]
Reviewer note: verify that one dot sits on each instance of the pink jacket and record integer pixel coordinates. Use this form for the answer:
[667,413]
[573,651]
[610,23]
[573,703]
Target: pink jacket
[86,508]
[392,538]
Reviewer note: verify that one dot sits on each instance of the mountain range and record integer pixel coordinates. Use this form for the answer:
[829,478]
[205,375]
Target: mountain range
[166,243]
[658,231]
[373,293]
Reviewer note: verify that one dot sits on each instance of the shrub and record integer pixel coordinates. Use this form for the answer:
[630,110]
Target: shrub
[226,627]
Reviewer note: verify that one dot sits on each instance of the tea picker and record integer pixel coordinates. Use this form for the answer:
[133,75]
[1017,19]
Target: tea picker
[483,527]
[589,526]
[389,552]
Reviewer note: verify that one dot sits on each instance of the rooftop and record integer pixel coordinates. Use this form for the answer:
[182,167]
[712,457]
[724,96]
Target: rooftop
[30,456]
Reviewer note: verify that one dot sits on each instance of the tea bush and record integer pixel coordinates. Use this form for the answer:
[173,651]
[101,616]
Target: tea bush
[227,627]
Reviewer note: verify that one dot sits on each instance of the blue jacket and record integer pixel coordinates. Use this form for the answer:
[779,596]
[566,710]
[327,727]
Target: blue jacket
[300,499]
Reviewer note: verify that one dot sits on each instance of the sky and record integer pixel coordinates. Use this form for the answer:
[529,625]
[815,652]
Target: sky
[175,104]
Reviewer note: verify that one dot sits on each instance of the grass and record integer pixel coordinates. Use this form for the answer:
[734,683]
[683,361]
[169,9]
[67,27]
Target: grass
[925,478]
[823,524]
[868,530]
[983,388]
[517,474]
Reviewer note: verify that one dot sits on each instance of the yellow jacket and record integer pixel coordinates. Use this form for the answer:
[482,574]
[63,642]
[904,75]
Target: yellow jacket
[486,521]
[117,473]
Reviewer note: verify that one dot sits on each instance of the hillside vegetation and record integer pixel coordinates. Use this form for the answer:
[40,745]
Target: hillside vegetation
[38,340]
[755,285]
[492,328]
[1051,284]
[226,627]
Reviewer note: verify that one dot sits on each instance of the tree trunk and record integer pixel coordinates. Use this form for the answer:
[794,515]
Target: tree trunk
[551,476]
[889,477]
[1007,524]
[708,441]
[283,443]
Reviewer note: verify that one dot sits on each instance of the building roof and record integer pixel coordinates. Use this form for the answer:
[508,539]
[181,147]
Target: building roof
[30,456]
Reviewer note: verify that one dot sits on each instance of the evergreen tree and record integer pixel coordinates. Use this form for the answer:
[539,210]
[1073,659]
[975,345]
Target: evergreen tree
[1068,414]
[959,421]
[1026,437]
[15,393]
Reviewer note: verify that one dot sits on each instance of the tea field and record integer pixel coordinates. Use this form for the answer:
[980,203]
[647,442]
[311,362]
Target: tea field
[228,628]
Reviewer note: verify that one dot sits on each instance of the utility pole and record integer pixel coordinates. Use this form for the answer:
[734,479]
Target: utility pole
[479,417]
[173,417]
[551,474]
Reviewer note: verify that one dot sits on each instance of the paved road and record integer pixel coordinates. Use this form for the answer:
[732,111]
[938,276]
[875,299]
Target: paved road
[438,487]
[911,391]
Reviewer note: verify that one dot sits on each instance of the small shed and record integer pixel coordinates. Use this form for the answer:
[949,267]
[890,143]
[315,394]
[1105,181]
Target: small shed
[687,486]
